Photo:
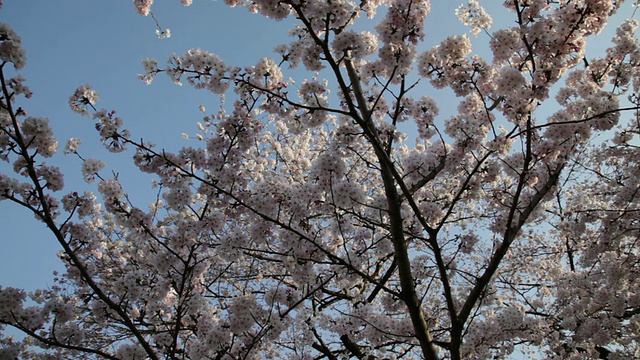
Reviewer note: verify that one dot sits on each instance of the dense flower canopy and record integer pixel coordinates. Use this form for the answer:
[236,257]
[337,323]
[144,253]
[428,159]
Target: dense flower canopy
[310,224]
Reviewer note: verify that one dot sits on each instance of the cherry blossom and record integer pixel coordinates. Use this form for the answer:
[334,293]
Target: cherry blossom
[83,97]
[11,47]
[475,16]
[90,168]
[346,209]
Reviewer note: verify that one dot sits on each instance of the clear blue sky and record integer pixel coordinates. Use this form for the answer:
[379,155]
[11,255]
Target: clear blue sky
[75,42]
[97,42]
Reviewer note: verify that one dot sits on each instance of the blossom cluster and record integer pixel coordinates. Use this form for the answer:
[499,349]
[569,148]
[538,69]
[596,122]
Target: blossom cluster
[109,127]
[11,49]
[303,49]
[83,97]
[447,64]
[423,111]
[204,70]
[143,7]
[399,31]
[475,16]
[39,135]
[355,45]
[90,169]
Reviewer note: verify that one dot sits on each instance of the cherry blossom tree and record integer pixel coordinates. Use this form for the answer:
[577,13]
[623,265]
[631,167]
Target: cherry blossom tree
[309,225]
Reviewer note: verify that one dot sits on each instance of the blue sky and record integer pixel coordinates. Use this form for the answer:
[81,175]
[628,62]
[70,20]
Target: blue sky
[101,43]
[75,42]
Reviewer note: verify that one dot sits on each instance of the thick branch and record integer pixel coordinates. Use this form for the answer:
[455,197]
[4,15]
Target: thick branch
[394,203]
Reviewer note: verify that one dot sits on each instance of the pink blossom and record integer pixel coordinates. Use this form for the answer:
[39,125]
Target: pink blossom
[83,96]
[11,47]
[475,16]
[143,6]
